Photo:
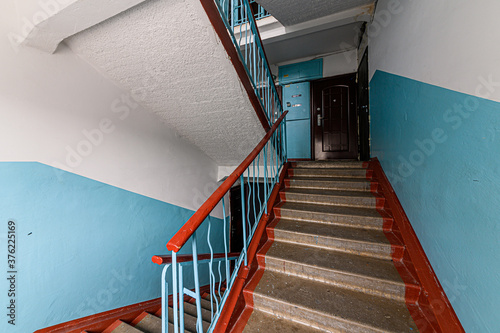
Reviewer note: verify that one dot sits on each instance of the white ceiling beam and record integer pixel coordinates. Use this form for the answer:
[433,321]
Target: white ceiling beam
[55,20]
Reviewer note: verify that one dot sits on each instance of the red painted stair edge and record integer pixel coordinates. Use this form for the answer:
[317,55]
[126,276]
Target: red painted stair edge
[101,321]
[442,314]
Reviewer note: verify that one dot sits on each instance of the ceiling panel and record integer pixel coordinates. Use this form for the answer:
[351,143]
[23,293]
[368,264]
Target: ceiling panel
[291,12]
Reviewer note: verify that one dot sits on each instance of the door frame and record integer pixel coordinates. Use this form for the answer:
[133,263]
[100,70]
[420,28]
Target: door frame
[354,108]
[364,107]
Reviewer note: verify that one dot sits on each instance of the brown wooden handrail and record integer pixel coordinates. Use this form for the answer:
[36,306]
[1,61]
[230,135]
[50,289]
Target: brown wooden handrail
[187,230]
[167,259]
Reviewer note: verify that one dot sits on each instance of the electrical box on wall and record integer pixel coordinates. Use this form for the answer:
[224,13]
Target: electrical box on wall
[297,100]
[300,72]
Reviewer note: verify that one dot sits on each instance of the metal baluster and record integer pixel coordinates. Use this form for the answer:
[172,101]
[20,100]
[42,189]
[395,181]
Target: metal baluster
[164,299]
[196,283]
[226,248]
[243,215]
[181,299]
[220,281]
[265,175]
[174,292]
[249,224]
[211,274]
[253,198]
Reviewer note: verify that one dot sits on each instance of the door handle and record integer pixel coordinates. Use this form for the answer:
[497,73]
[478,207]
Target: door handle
[319,119]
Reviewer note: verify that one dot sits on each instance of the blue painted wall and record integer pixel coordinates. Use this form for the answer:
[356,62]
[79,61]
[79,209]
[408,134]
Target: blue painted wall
[441,152]
[83,247]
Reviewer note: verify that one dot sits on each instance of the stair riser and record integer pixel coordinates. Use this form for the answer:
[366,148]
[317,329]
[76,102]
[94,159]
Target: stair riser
[189,321]
[329,165]
[343,220]
[329,185]
[376,287]
[308,317]
[340,173]
[361,202]
[375,250]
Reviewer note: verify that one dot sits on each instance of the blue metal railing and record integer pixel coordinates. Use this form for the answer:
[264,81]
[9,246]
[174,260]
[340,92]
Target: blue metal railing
[233,10]
[251,52]
[258,175]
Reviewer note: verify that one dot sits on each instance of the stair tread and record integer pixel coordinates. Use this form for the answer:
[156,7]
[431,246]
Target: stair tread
[327,164]
[366,267]
[333,231]
[189,321]
[303,299]
[263,322]
[126,328]
[331,179]
[150,324]
[325,192]
[332,209]
[359,173]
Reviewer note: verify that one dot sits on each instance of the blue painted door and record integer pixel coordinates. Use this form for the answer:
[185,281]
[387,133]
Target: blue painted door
[297,100]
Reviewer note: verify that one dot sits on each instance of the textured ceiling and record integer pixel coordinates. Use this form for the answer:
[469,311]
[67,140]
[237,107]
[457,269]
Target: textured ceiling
[320,42]
[167,52]
[291,12]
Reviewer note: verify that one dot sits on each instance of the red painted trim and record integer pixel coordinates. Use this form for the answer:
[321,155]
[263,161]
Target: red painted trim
[221,30]
[139,318]
[435,312]
[113,326]
[187,230]
[101,321]
[167,259]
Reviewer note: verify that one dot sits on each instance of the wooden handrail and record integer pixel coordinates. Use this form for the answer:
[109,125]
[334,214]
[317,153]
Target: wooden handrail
[187,230]
[167,259]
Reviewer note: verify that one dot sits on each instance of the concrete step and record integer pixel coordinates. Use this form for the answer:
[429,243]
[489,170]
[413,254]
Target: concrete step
[331,173]
[332,197]
[348,184]
[328,164]
[359,241]
[189,320]
[331,214]
[374,276]
[151,324]
[190,308]
[263,322]
[329,308]
[122,327]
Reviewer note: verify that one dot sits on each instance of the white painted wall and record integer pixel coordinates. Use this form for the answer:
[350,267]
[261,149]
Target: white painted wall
[51,104]
[450,43]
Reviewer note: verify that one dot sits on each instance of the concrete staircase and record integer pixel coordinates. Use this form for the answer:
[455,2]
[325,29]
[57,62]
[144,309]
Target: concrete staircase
[148,322]
[329,264]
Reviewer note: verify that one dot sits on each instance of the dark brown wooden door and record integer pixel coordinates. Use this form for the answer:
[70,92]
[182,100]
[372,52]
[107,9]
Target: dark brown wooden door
[334,119]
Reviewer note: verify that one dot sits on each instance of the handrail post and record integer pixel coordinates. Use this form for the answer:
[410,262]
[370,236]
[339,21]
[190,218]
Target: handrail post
[174,292]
